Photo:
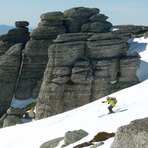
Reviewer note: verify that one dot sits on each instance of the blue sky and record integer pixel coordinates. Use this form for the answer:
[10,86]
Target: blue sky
[120,12]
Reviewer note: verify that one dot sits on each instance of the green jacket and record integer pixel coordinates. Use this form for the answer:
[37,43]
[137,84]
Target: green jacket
[110,101]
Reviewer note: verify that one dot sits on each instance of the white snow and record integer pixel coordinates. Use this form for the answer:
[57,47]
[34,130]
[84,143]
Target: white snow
[21,103]
[134,100]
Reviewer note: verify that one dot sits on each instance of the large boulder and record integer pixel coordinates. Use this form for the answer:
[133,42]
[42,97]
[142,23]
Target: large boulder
[50,26]
[16,111]
[11,120]
[76,17]
[74,136]
[21,24]
[134,135]
[132,30]
[96,27]
[11,47]
[17,35]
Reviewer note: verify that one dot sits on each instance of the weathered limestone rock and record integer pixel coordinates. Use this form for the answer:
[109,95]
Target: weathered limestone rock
[36,54]
[52,143]
[128,67]
[2,119]
[11,120]
[50,26]
[106,45]
[11,46]
[16,111]
[71,59]
[98,18]
[134,135]
[9,69]
[21,24]
[76,17]
[96,27]
[17,35]
[30,114]
[74,136]
[81,69]
[132,30]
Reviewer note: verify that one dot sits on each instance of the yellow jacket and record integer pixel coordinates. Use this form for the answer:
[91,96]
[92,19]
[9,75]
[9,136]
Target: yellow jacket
[110,101]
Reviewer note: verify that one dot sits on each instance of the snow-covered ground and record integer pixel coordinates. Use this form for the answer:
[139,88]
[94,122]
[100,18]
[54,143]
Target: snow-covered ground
[133,100]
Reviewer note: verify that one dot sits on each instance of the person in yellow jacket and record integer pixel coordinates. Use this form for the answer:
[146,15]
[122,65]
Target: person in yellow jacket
[112,101]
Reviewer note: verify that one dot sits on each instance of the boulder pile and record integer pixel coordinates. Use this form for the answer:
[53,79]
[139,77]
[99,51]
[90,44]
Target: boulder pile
[17,35]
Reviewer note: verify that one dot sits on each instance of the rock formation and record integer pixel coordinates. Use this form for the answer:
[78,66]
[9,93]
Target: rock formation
[12,117]
[70,59]
[133,135]
[36,54]
[11,46]
[86,64]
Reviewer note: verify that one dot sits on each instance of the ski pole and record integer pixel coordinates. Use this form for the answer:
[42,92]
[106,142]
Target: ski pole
[100,107]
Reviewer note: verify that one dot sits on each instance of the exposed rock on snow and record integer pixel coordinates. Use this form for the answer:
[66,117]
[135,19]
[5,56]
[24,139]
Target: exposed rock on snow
[133,135]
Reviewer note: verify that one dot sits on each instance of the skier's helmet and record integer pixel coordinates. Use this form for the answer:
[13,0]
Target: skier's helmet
[107,98]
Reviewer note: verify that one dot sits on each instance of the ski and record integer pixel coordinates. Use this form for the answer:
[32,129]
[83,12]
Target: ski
[116,111]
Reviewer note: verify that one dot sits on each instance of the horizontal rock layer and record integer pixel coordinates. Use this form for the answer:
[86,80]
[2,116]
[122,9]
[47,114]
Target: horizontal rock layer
[69,60]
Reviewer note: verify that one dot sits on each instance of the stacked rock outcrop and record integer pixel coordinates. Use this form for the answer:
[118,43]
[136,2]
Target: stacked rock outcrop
[11,46]
[17,35]
[70,59]
[85,64]
[36,54]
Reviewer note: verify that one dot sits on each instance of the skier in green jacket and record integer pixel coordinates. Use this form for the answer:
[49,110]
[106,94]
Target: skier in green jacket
[112,101]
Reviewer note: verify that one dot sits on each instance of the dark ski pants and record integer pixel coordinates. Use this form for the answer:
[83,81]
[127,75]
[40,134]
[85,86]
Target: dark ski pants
[110,109]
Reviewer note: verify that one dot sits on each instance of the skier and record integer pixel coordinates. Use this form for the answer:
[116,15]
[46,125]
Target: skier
[112,101]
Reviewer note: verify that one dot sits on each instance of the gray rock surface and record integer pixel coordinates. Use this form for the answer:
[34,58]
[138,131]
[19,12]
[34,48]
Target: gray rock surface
[80,69]
[21,24]
[11,120]
[50,26]
[16,111]
[36,54]
[69,60]
[134,135]
[17,35]
[74,136]
[146,35]
[76,17]
[132,30]
[9,69]
[52,143]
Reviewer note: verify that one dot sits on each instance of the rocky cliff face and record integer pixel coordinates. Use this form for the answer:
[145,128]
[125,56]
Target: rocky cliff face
[69,60]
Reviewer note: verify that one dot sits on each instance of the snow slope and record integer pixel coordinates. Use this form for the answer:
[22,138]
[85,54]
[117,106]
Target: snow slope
[133,100]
